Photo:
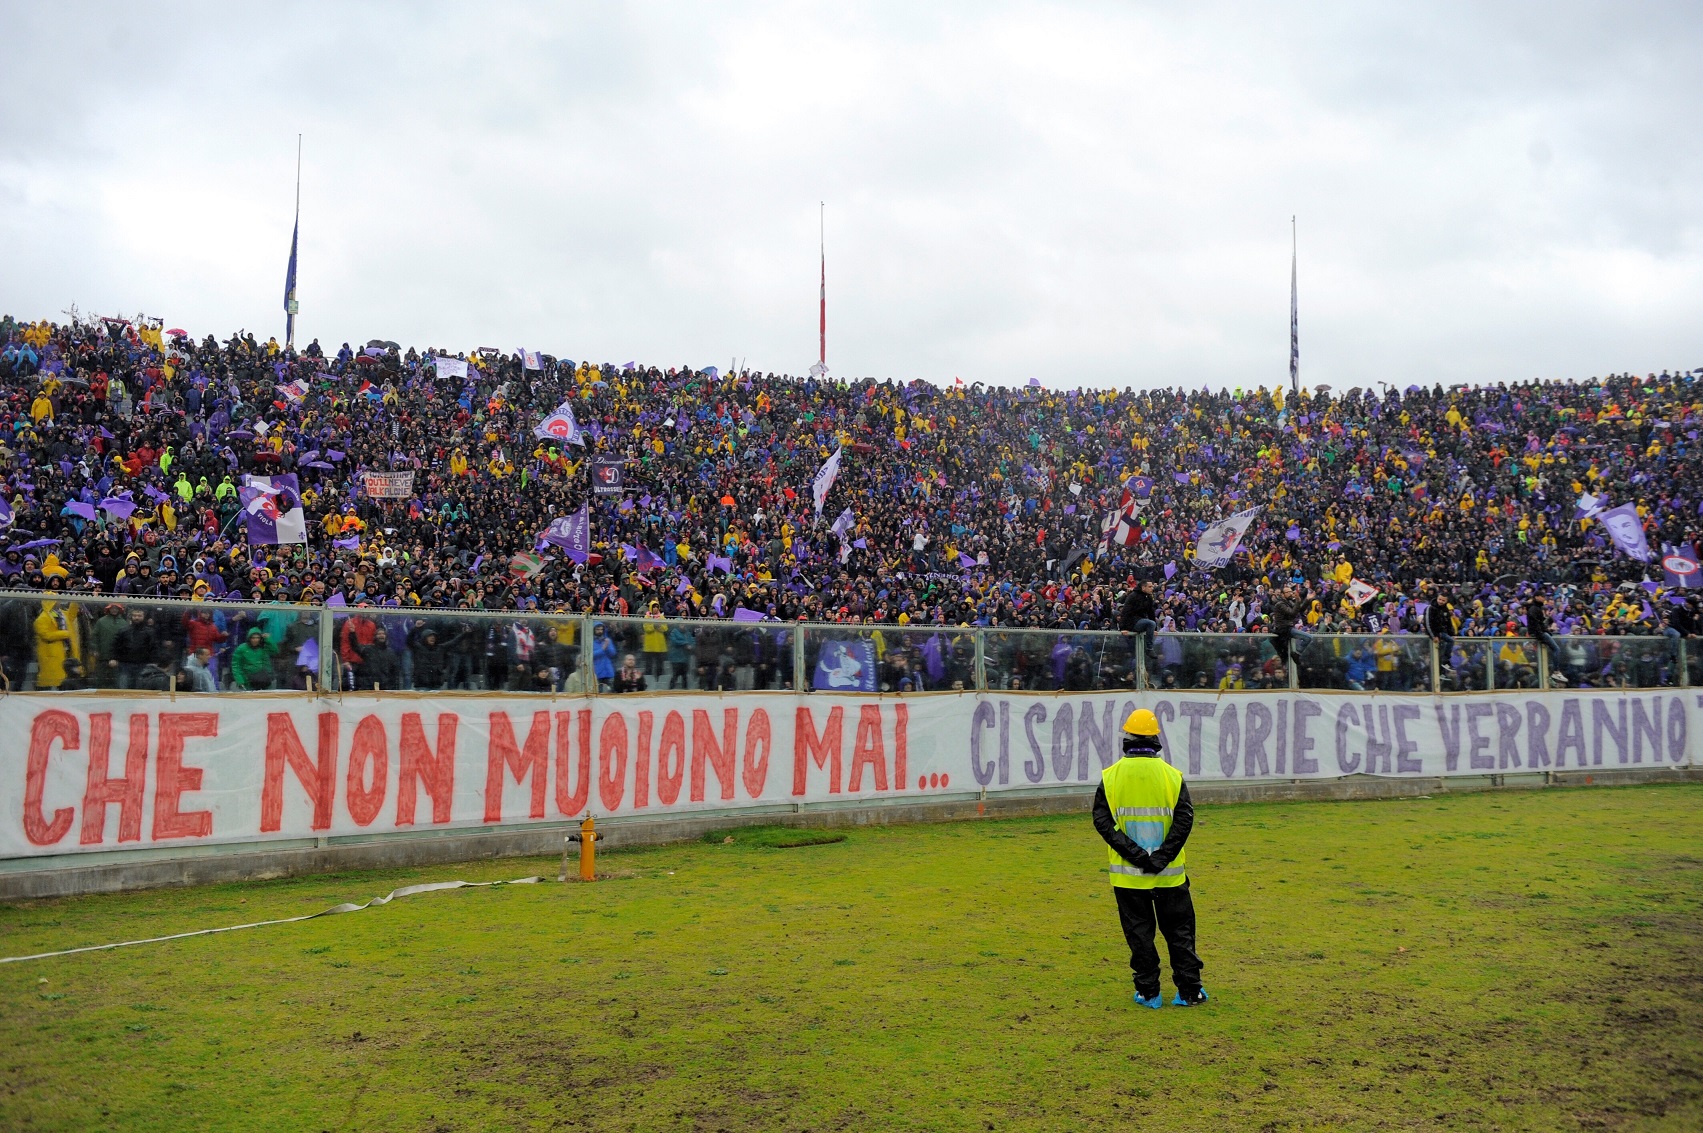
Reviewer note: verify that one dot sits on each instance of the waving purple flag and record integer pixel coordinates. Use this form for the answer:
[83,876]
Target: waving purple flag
[1627,530]
[572,533]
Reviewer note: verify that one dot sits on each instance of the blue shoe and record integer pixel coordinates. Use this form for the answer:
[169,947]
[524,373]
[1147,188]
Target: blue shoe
[1157,1001]
[1199,998]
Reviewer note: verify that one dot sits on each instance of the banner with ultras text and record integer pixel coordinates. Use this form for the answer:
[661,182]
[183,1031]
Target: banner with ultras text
[97,773]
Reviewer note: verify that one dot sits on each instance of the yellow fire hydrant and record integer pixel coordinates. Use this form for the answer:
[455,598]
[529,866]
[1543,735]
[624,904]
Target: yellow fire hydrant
[587,839]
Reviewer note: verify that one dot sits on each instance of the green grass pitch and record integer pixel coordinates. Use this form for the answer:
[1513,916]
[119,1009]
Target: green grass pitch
[1510,960]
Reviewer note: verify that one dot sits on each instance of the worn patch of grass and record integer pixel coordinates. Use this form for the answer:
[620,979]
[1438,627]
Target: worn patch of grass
[1516,960]
[776,837]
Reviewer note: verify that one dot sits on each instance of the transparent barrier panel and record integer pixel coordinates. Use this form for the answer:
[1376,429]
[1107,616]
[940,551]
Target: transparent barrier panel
[1620,662]
[1516,662]
[1230,662]
[1042,660]
[70,644]
[692,655]
[1469,666]
[1383,662]
[387,648]
[889,658]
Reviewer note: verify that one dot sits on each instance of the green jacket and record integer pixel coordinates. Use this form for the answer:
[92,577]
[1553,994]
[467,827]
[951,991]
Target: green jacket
[252,665]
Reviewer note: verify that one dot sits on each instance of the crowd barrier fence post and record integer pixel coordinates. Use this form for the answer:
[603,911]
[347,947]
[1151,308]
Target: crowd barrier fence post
[1542,665]
[587,658]
[800,680]
[981,660]
[1436,668]
[327,650]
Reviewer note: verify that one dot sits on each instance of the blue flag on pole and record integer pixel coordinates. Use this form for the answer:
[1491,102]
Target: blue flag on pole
[290,304]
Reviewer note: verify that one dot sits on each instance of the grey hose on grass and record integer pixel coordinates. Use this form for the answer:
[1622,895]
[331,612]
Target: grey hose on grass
[405,891]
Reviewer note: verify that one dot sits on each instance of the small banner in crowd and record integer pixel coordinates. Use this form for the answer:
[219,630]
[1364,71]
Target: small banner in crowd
[1218,543]
[1627,531]
[387,485]
[845,666]
[451,367]
[607,478]
[560,426]
[272,509]
[572,533]
[825,479]
[1681,567]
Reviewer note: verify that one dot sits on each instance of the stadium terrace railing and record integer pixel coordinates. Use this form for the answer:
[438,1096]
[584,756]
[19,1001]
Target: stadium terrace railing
[66,642]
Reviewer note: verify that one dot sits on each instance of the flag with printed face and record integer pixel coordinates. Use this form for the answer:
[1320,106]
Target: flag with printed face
[272,509]
[1218,543]
[1627,531]
[560,426]
[825,479]
[1361,593]
[1681,566]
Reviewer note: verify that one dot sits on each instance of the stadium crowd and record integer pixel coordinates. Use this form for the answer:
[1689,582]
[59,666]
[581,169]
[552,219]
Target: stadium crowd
[968,505]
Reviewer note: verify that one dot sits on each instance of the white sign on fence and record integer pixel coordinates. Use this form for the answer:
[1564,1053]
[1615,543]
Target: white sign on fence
[98,773]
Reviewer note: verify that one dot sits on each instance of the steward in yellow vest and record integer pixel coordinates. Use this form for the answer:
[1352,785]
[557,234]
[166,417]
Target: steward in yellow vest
[1142,810]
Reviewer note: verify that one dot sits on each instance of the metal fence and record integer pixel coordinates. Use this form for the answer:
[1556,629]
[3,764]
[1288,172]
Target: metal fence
[74,642]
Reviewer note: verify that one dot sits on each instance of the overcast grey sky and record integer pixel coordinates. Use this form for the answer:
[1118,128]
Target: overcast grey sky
[1085,193]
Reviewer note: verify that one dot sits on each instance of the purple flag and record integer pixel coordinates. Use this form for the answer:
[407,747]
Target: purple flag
[717,562]
[272,510]
[352,543]
[1180,477]
[741,614]
[1627,531]
[860,544]
[1170,570]
[572,533]
[1681,567]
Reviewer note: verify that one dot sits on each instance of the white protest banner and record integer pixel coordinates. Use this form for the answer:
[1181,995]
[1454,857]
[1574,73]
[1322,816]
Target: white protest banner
[450,367]
[387,485]
[94,773]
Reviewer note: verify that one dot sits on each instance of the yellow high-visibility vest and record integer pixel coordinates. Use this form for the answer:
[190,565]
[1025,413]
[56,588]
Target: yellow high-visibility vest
[1142,793]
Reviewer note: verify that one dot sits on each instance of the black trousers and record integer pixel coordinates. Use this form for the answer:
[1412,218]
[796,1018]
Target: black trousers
[1173,909]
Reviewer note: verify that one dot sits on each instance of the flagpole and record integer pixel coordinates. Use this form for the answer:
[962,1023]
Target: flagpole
[822,242]
[1294,317]
[290,304]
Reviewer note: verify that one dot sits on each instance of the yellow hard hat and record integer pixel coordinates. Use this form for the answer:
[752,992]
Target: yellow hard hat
[1141,722]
